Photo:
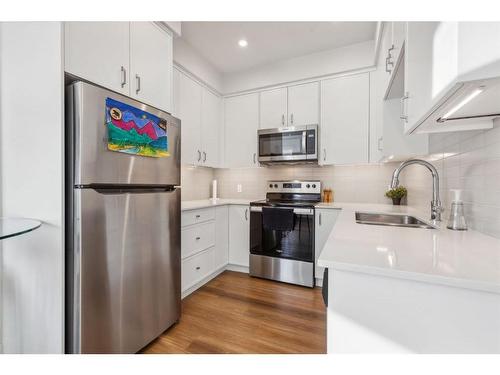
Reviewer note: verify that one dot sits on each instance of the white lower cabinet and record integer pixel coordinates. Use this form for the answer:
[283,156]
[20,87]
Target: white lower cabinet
[196,238]
[204,245]
[324,221]
[197,267]
[239,235]
[221,236]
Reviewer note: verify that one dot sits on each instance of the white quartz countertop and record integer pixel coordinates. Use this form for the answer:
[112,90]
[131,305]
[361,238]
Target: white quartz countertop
[204,203]
[466,259]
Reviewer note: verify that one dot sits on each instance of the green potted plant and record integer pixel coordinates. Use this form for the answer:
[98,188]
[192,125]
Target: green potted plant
[396,194]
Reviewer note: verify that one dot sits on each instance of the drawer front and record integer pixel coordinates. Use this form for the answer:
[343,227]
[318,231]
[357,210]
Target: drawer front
[197,238]
[197,267]
[197,216]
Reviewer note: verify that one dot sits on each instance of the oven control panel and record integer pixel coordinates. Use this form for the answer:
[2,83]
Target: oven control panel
[294,186]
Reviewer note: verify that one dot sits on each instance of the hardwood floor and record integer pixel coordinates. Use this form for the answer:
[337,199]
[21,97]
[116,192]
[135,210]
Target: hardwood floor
[236,313]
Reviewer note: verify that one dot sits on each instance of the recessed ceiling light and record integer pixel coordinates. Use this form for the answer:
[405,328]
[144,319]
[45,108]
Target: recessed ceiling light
[242,43]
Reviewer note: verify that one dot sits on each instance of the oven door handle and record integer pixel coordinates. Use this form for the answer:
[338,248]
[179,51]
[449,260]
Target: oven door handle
[298,211]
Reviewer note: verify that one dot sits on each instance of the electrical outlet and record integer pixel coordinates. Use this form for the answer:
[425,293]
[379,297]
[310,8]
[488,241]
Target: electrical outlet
[239,188]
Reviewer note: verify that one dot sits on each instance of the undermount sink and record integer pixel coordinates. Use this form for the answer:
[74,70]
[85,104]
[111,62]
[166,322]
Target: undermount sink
[391,220]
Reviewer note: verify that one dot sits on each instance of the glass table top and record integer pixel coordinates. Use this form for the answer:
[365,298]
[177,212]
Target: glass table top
[11,227]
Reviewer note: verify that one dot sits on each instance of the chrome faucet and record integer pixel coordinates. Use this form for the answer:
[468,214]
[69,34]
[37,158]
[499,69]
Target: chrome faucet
[436,207]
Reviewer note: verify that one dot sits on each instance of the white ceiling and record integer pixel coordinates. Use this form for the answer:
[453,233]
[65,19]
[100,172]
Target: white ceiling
[269,41]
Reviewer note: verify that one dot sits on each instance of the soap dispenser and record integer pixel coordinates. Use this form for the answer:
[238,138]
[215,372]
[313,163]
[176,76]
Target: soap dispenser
[457,216]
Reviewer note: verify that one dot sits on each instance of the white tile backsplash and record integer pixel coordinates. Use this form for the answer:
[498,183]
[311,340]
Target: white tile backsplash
[356,183]
[469,161]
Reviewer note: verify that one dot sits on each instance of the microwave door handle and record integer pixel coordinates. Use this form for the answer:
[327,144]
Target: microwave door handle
[304,142]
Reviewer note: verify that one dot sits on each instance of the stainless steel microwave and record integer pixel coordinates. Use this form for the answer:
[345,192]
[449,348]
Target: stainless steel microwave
[292,144]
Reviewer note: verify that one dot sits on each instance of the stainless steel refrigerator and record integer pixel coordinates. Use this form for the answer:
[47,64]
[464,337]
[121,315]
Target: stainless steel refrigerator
[123,285]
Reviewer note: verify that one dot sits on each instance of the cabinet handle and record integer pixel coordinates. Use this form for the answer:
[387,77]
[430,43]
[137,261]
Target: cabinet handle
[199,155]
[291,119]
[283,120]
[197,216]
[246,214]
[198,238]
[324,154]
[387,65]
[124,76]
[378,145]
[204,156]
[254,157]
[403,115]
[198,268]
[138,81]
[320,218]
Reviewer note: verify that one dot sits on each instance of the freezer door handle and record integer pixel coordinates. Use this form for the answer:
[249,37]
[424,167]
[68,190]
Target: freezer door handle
[114,189]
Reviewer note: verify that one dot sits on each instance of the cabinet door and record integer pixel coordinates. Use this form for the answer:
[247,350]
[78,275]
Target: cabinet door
[273,108]
[419,77]
[211,110]
[324,222]
[221,236]
[398,38]
[151,65]
[241,118]
[239,235]
[99,53]
[303,104]
[345,119]
[188,100]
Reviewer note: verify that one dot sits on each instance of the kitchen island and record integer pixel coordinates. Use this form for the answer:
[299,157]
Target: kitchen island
[410,290]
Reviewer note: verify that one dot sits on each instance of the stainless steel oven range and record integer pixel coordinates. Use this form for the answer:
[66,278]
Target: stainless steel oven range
[282,232]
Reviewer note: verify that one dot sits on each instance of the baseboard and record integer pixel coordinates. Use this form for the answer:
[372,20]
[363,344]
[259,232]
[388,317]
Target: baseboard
[237,268]
[202,282]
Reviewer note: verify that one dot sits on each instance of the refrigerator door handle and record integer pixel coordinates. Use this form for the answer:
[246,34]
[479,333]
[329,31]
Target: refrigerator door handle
[129,188]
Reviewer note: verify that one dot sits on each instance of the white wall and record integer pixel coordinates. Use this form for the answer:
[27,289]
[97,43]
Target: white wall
[188,58]
[319,64]
[31,165]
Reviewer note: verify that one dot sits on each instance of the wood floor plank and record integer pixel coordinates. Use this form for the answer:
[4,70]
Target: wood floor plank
[236,313]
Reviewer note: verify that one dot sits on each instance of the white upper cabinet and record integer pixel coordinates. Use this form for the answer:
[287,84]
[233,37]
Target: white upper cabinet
[188,100]
[200,112]
[211,109]
[419,78]
[303,104]
[273,108]
[151,65]
[99,52]
[241,121]
[134,59]
[344,120]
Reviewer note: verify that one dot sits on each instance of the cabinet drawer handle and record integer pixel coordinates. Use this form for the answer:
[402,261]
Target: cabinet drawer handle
[138,80]
[197,268]
[199,155]
[204,156]
[124,76]
[320,218]
[254,157]
[403,115]
[379,142]
[324,154]
[246,214]
[291,119]
[198,216]
[283,120]
[198,238]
